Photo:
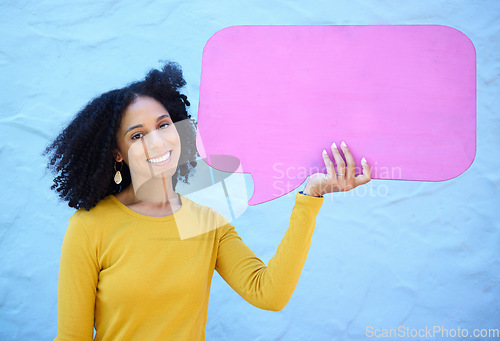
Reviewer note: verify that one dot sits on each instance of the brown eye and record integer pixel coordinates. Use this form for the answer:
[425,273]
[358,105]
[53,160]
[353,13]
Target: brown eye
[164,125]
[136,136]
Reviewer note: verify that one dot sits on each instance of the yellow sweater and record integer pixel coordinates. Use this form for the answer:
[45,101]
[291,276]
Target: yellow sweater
[133,277]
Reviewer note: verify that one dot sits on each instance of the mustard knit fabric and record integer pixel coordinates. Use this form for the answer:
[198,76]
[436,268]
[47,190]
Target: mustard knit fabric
[133,277]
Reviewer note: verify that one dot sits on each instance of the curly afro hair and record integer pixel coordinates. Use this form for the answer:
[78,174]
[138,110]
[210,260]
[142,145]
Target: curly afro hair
[82,156]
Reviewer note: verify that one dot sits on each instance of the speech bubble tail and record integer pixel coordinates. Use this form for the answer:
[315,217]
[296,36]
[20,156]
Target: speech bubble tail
[266,189]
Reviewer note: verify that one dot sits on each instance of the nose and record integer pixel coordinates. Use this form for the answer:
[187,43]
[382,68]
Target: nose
[154,140]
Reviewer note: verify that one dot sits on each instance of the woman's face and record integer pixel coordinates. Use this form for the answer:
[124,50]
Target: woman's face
[148,141]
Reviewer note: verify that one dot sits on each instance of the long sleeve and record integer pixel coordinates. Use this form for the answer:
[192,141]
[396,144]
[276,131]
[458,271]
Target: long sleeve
[269,287]
[78,276]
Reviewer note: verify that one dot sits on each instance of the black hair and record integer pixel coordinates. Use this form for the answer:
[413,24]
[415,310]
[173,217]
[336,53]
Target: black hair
[82,156]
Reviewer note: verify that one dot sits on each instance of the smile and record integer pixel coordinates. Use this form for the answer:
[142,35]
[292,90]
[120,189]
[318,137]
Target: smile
[160,159]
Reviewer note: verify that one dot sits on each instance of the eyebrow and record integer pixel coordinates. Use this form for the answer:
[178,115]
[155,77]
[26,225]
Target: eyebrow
[140,125]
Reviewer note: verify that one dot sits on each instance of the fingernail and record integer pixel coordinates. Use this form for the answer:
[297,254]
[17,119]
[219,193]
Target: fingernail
[324,151]
[334,145]
[363,160]
[343,144]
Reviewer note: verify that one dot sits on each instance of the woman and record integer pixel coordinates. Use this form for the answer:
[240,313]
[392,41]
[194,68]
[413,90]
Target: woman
[137,258]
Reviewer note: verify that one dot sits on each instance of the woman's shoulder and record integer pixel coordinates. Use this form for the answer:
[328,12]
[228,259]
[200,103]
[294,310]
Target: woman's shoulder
[197,219]
[104,208]
[87,225]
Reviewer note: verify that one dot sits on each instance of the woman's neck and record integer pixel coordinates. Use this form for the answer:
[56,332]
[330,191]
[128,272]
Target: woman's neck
[155,197]
[155,190]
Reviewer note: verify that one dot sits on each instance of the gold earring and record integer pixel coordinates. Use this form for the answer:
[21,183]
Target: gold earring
[118,175]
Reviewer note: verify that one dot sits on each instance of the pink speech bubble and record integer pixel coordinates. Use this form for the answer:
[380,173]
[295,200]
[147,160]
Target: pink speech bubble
[403,97]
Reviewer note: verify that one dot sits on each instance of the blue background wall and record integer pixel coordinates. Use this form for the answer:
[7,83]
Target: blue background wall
[394,253]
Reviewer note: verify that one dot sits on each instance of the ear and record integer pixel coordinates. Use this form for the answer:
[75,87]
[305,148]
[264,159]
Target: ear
[117,156]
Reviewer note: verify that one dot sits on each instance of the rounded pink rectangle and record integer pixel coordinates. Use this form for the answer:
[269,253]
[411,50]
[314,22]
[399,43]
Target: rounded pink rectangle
[403,97]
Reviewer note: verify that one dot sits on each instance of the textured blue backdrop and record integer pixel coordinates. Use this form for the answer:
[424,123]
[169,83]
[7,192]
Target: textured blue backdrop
[392,254]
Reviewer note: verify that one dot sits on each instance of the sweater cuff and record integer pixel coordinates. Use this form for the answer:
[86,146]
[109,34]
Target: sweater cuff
[302,192]
[313,202]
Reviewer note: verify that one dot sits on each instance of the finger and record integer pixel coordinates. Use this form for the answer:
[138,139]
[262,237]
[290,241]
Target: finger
[366,176]
[338,160]
[351,164]
[330,169]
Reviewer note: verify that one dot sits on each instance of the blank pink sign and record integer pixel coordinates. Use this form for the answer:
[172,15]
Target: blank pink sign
[403,97]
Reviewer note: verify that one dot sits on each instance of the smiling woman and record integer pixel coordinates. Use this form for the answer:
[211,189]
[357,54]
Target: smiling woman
[82,156]
[138,258]
[149,143]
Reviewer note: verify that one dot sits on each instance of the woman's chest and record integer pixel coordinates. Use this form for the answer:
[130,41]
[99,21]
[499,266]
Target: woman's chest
[148,267]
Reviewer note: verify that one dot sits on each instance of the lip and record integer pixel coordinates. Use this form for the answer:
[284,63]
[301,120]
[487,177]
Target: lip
[161,159]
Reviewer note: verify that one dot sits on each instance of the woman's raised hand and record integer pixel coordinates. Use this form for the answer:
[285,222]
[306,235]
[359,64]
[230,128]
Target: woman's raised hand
[340,180]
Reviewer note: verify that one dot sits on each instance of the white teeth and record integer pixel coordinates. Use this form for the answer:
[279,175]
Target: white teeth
[161,158]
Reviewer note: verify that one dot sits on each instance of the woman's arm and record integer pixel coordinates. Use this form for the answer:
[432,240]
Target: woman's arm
[78,275]
[269,287]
